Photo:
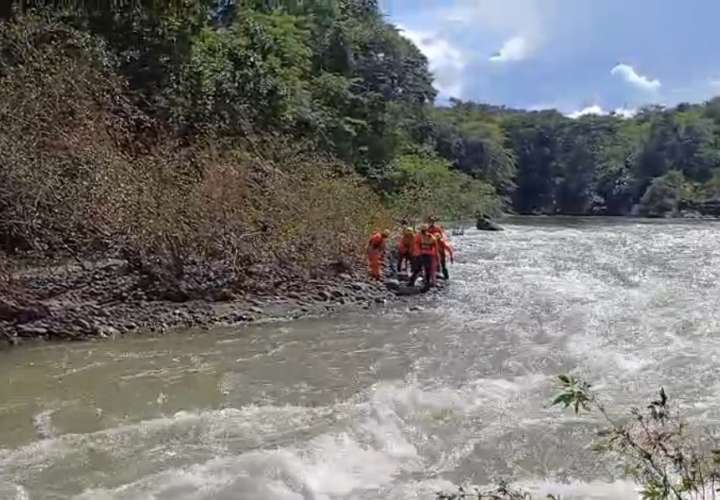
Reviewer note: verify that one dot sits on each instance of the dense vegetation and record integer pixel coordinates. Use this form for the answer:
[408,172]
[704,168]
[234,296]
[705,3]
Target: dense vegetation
[281,129]
[549,163]
[256,131]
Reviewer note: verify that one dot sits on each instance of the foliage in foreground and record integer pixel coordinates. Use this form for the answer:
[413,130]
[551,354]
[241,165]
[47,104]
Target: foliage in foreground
[658,450]
[654,445]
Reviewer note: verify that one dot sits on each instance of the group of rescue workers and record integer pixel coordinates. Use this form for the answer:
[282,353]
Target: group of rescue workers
[425,251]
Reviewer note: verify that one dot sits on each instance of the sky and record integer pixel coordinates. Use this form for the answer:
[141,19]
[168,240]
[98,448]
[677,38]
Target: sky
[577,56]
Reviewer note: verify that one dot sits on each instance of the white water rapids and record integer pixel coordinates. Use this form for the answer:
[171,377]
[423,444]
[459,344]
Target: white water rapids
[385,404]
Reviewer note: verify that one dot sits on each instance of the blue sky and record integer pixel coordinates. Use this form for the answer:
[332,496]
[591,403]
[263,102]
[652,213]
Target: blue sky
[573,55]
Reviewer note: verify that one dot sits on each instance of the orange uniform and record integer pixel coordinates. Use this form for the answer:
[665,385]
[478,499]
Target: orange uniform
[444,250]
[405,246]
[426,252]
[434,229]
[376,252]
[425,244]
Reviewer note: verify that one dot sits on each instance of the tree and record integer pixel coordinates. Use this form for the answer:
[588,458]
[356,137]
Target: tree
[474,141]
[663,194]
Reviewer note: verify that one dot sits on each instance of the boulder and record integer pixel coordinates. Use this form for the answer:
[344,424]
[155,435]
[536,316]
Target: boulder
[485,224]
[12,311]
[408,290]
[392,284]
[31,331]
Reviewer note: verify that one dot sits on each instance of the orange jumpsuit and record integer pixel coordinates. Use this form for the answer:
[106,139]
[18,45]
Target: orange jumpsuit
[425,250]
[436,229]
[444,250]
[405,251]
[376,252]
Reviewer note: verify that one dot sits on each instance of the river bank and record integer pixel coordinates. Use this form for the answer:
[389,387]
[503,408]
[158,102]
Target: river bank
[104,299]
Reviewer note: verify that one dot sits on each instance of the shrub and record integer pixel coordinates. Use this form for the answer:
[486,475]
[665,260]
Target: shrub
[421,184]
[663,194]
[84,171]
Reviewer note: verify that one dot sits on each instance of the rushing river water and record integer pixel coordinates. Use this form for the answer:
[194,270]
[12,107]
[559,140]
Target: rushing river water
[390,403]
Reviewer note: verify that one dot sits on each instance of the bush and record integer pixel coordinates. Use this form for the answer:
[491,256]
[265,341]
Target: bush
[62,120]
[84,171]
[421,184]
[663,195]
[654,444]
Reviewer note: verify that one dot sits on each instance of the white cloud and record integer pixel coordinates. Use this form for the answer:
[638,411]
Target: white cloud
[715,83]
[525,27]
[626,112]
[514,49]
[589,110]
[598,110]
[445,60]
[628,73]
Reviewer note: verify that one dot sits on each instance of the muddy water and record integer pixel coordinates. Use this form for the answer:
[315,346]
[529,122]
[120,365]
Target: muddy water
[383,404]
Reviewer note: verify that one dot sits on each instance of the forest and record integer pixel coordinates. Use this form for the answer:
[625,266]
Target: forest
[250,129]
[653,164]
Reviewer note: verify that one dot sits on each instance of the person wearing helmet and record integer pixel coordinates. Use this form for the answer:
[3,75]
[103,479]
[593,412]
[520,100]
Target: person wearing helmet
[425,251]
[435,228]
[444,250]
[376,253]
[405,245]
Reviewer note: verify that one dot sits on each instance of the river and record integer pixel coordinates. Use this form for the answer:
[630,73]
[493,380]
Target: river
[393,403]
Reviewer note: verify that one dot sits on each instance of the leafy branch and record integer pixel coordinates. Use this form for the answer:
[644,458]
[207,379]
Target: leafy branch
[653,443]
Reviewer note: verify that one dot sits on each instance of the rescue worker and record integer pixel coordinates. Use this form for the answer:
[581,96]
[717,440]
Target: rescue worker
[435,228]
[376,253]
[444,250]
[405,250]
[425,252]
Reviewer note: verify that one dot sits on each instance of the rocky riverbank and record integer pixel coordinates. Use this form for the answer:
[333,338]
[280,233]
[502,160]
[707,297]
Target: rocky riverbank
[82,301]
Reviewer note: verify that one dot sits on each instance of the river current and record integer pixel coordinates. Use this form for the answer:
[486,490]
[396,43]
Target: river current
[393,403]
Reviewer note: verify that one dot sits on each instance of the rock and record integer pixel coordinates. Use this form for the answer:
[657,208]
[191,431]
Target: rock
[379,300]
[484,224]
[416,308]
[83,324]
[690,214]
[359,286]
[392,284]
[408,290]
[324,295]
[175,295]
[108,332]
[256,310]
[223,295]
[31,331]
[12,311]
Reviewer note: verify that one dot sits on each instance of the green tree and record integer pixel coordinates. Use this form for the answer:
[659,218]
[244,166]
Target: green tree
[663,194]
[422,184]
